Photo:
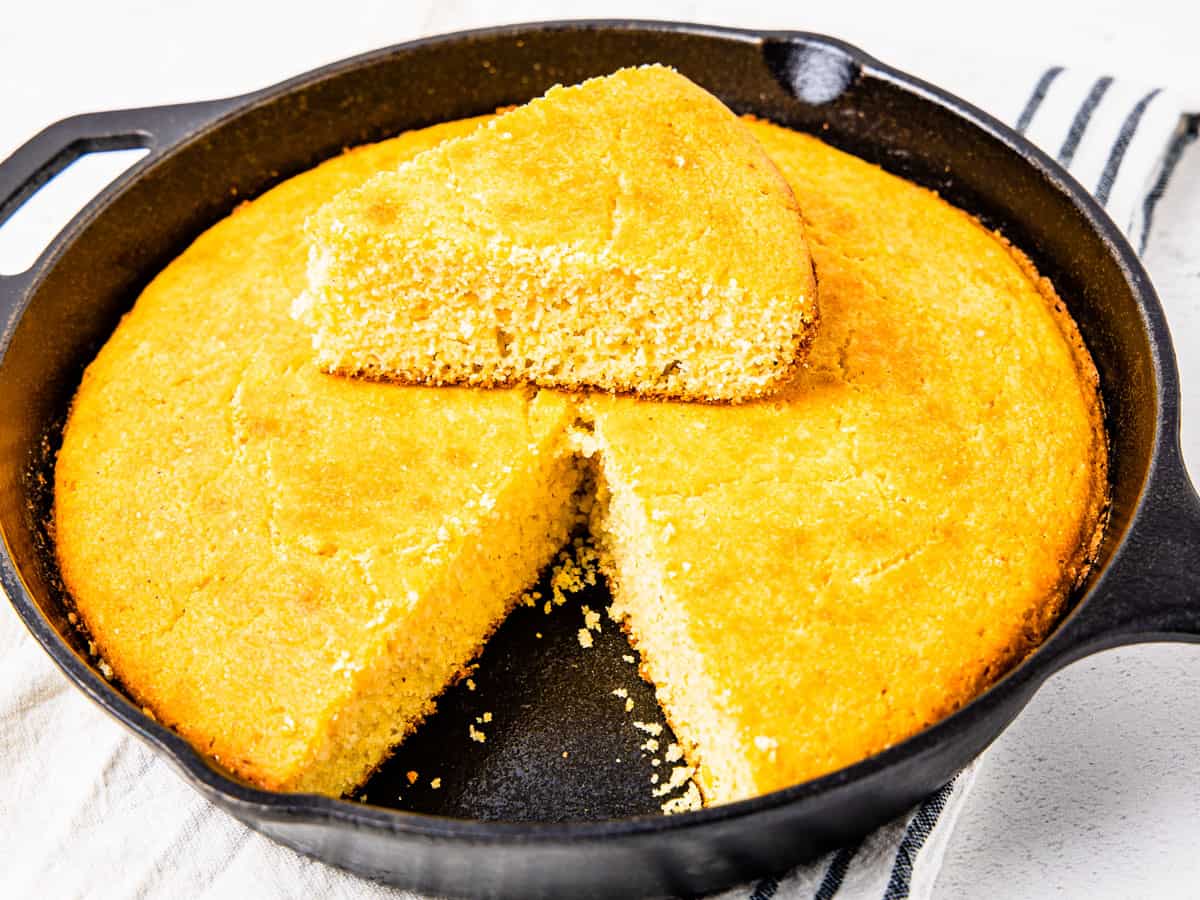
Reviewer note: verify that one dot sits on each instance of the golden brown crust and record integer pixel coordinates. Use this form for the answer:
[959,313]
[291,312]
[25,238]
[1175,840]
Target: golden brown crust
[1094,517]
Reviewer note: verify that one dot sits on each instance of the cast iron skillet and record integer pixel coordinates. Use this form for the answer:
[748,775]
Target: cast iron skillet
[206,157]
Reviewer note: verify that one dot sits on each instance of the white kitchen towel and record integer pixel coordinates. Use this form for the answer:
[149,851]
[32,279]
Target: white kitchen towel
[87,811]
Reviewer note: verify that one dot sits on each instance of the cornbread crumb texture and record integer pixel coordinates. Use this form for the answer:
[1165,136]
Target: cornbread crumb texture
[808,578]
[627,233]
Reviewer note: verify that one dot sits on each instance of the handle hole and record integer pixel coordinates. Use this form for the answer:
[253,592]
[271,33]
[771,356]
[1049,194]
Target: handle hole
[813,73]
[46,211]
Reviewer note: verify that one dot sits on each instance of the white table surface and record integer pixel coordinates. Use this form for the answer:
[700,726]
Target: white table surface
[1094,792]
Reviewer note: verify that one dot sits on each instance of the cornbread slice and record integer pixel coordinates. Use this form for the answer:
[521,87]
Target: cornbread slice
[287,567]
[814,578]
[284,566]
[627,233]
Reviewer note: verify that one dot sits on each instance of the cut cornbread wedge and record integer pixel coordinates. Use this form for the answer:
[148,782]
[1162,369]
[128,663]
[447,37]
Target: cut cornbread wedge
[285,566]
[813,578]
[627,233]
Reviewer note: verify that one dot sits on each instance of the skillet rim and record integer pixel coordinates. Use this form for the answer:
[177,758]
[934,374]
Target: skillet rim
[1053,653]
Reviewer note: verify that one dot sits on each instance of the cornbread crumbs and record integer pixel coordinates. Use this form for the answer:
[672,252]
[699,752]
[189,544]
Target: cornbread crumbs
[767,745]
[585,638]
[620,692]
[436,783]
[651,728]
[411,776]
[476,735]
[470,684]
[575,568]
[678,778]
[690,801]
[628,658]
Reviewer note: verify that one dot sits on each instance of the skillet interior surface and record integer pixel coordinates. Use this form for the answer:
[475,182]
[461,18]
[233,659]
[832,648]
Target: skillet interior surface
[95,270]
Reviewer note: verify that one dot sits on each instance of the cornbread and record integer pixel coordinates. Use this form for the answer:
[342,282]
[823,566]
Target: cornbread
[813,578]
[285,566]
[288,567]
[627,233]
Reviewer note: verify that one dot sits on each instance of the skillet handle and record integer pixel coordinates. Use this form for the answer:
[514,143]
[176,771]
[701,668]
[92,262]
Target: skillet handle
[46,154]
[1151,589]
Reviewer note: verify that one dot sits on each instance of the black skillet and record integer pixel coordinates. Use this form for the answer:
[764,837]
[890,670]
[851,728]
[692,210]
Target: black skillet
[515,817]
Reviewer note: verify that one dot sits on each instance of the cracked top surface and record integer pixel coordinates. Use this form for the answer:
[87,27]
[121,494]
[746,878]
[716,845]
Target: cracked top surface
[858,555]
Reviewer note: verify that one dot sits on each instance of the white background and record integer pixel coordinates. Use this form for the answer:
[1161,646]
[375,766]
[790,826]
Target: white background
[1095,790]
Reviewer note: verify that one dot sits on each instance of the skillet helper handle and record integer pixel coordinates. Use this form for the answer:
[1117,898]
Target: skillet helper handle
[46,154]
[1151,591]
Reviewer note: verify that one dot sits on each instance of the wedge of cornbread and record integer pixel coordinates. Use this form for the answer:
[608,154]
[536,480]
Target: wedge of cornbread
[627,233]
[285,566]
[288,566]
[812,578]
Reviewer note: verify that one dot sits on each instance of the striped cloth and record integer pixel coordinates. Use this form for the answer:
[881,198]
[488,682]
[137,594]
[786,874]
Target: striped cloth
[90,812]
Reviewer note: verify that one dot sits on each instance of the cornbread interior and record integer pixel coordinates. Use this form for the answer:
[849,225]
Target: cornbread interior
[288,567]
[627,233]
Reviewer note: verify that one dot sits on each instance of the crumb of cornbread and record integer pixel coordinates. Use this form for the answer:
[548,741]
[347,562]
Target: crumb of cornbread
[680,775]
[913,508]
[627,233]
[691,800]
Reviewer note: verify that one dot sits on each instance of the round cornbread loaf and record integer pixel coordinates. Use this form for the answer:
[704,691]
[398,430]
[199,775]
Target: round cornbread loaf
[288,567]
